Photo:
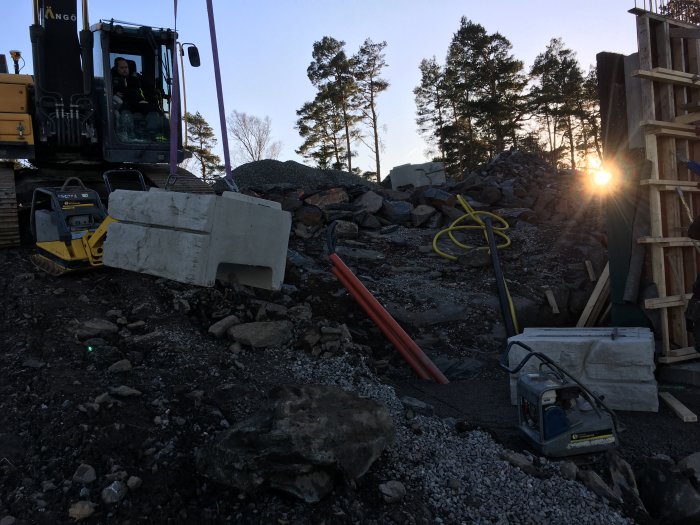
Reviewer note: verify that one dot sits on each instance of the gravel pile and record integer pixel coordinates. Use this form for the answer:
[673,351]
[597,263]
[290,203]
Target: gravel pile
[460,477]
[266,175]
[517,164]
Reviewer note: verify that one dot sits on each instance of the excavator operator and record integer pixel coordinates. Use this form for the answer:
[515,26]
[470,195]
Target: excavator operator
[137,118]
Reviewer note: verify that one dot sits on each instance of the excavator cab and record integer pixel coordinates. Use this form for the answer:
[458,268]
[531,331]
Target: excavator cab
[104,93]
[133,82]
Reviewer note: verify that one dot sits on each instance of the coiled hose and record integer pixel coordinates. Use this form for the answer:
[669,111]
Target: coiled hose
[474,215]
[498,229]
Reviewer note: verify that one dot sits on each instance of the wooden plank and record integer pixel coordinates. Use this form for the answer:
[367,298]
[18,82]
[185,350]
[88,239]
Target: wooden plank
[669,360]
[589,270]
[685,32]
[551,300]
[669,76]
[679,408]
[687,119]
[668,242]
[687,185]
[598,291]
[645,63]
[680,352]
[667,302]
[650,125]
[669,131]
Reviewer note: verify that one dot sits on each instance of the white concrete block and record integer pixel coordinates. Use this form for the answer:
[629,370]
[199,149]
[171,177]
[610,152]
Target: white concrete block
[427,174]
[197,239]
[618,364]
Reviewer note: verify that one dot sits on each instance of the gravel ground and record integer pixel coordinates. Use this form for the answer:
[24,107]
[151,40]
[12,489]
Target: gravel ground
[461,476]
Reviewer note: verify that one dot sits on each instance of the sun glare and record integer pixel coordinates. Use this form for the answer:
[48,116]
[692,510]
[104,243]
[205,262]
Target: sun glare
[602,177]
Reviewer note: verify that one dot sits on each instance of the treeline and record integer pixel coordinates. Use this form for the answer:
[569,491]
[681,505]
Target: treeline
[482,101]
[479,102]
[344,111]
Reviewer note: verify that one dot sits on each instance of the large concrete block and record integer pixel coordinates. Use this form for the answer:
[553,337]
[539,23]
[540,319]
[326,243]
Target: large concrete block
[427,174]
[197,239]
[618,364]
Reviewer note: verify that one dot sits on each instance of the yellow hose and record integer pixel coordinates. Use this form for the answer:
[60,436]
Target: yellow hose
[471,213]
[500,225]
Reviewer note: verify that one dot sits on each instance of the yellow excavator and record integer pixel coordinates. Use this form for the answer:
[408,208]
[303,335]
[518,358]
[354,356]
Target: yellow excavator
[66,120]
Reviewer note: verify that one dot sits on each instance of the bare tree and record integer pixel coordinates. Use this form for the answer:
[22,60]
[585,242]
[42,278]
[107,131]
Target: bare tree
[253,137]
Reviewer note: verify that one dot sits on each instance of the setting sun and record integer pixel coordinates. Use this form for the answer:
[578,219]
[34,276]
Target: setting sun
[602,177]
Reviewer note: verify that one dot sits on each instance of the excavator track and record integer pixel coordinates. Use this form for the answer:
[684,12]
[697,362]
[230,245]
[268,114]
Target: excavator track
[54,266]
[9,225]
[46,265]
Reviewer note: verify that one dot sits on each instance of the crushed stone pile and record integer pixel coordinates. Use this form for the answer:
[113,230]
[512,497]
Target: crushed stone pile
[266,175]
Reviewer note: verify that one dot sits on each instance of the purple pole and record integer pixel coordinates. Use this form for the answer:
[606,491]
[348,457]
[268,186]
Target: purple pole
[174,112]
[220,96]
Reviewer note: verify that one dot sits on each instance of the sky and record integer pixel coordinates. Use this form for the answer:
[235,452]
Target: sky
[265,48]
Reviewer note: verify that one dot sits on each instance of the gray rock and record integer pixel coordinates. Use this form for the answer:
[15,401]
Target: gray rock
[96,328]
[346,230]
[134,482]
[124,391]
[327,197]
[692,463]
[219,328]
[359,253]
[261,334]
[443,313]
[667,494]
[370,201]
[84,474]
[8,520]
[521,461]
[81,510]
[114,492]
[392,491]
[622,476]
[300,442]
[421,214]
[438,198]
[121,366]
[490,195]
[33,363]
[568,470]
[398,212]
[596,484]
[418,406]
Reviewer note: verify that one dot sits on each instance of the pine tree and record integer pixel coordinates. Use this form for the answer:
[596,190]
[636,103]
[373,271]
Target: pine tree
[556,95]
[431,100]
[686,10]
[331,72]
[321,126]
[201,141]
[368,64]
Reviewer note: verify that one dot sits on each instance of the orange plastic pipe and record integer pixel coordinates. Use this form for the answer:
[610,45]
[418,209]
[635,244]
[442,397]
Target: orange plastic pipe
[385,321]
[388,333]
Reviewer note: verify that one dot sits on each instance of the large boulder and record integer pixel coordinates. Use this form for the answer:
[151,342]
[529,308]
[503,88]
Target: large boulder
[668,494]
[300,443]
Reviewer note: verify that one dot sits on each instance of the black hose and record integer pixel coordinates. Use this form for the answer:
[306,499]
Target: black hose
[331,238]
[500,283]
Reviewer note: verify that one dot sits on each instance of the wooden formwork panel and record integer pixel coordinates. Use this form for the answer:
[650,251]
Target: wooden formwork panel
[670,95]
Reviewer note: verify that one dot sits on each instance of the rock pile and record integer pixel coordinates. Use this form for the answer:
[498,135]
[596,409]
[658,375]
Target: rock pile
[126,397]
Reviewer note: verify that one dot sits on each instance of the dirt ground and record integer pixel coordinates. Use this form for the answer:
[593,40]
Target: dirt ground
[192,385]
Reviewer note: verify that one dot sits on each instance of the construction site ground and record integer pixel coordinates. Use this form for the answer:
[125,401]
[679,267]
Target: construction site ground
[192,385]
